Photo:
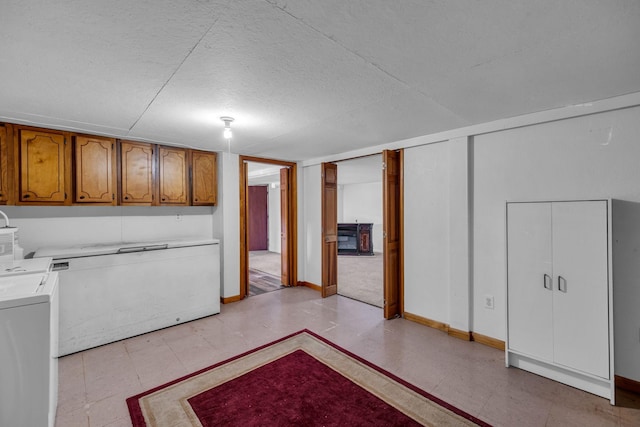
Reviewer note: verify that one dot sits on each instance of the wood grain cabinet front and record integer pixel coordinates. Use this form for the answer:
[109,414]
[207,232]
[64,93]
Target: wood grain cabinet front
[136,173]
[4,164]
[204,180]
[173,176]
[95,178]
[43,166]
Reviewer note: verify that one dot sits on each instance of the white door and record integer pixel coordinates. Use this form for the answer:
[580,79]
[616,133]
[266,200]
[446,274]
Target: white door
[580,305]
[529,277]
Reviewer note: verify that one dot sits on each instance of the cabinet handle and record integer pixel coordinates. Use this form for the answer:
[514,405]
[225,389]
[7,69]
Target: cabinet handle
[26,196]
[81,197]
[163,199]
[126,197]
[546,281]
[562,280]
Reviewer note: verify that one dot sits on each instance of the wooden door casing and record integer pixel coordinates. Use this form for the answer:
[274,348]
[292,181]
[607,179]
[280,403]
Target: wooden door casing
[258,217]
[95,177]
[392,232]
[4,164]
[292,234]
[136,173]
[329,229]
[173,176]
[204,178]
[43,166]
[284,227]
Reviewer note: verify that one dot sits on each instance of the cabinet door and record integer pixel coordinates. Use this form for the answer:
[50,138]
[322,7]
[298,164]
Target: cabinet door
[173,176]
[136,173]
[529,278]
[95,177]
[580,305]
[204,176]
[4,165]
[42,166]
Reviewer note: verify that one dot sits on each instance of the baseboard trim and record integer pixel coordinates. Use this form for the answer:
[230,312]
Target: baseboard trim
[491,342]
[229,300]
[627,384]
[456,333]
[311,285]
[427,322]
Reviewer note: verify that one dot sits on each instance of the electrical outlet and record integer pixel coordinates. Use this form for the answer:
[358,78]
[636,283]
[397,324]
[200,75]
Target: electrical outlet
[488,302]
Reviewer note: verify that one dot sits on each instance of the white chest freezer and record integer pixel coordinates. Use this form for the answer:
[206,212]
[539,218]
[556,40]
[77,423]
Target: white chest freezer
[115,291]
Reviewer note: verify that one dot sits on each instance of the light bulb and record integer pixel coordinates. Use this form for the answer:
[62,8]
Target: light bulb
[227,134]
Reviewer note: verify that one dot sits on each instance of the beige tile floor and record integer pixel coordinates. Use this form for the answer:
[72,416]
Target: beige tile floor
[95,383]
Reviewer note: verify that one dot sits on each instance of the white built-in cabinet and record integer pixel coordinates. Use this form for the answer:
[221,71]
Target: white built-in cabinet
[559,292]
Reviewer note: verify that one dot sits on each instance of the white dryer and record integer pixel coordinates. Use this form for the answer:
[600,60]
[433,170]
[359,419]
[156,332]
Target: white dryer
[28,344]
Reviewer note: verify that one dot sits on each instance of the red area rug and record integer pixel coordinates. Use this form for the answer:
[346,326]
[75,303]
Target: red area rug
[302,379]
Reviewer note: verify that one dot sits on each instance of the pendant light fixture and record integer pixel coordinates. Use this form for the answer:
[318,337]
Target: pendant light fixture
[227,134]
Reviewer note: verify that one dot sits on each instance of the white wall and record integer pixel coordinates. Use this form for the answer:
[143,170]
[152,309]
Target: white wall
[426,236]
[226,223]
[274,219]
[455,193]
[587,157]
[310,235]
[41,226]
[362,203]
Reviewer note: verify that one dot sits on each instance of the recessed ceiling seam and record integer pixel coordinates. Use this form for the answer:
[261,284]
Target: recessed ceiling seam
[372,64]
[333,40]
[172,75]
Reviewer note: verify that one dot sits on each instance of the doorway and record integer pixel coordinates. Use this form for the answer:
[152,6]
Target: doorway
[268,224]
[392,231]
[360,250]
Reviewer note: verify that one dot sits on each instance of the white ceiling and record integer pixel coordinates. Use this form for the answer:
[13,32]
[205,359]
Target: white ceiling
[305,78]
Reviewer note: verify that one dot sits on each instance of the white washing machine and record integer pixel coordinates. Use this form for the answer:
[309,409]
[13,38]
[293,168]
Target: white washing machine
[28,344]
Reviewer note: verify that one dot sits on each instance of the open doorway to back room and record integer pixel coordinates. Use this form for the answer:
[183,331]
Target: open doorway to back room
[360,259]
[264,228]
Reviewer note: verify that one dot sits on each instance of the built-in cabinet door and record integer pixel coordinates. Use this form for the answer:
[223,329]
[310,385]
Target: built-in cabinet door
[4,164]
[95,177]
[173,176]
[42,166]
[580,305]
[136,173]
[530,279]
[204,183]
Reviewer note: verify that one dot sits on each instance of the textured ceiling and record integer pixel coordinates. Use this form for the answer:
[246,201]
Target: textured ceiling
[305,79]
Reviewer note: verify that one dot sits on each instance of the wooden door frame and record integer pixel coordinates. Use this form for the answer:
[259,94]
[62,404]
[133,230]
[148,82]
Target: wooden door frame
[401,226]
[293,220]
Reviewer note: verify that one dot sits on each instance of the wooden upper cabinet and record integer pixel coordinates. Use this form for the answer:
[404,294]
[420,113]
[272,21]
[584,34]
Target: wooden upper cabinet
[204,184]
[43,166]
[173,176]
[94,170]
[4,164]
[136,173]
